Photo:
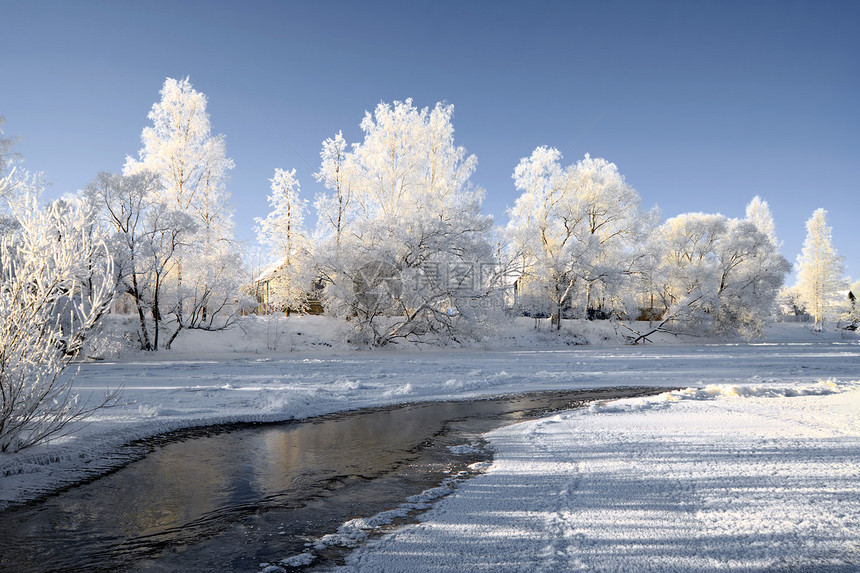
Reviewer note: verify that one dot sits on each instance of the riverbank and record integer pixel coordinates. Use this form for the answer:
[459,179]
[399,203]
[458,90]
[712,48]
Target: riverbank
[211,381]
[224,500]
[203,382]
[740,478]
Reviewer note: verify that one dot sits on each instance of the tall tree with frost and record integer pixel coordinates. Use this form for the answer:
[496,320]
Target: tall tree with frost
[283,231]
[820,274]
[191,162]
[57,281]
[334,208]
[6,155]
[576,230]
[192,165]
[405,248]
[758,213]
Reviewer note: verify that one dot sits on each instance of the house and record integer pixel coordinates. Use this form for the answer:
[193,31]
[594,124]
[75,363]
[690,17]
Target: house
[269,288]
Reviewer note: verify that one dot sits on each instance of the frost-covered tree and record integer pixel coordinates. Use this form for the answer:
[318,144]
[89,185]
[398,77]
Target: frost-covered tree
[191,162]
[123,202]
[192,165]
[56,281]
[335,173]
[577,231]
[820,274]
[758,213]
[789,303]
[405,249]
[144,236]
[283,232]
[715,275]
[6,143]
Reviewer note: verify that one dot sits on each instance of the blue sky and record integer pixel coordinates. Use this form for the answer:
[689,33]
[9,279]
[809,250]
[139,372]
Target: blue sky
[702,105]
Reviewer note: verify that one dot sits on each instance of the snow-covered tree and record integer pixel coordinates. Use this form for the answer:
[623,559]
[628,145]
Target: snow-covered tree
[146,237]
[191,162]
[335,173]
[6,143]
[56,281]
[283,232]
[577,231]
[758,213]
[142,243]
[405,249]
[820,274]
[203,274]
[789,303]
[715,275]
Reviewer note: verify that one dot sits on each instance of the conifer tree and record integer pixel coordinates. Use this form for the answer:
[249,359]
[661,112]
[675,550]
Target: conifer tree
[820,272]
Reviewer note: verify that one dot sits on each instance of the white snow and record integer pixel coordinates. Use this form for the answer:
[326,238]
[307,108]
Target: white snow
[753,463]
[722,478]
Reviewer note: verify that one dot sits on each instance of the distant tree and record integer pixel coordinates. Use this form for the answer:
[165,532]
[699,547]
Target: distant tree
[283,232]
[334,209]
[789,301]
[577,230]
[205,265]
[820,274]
[715,275]
[57,281]
[6,143]
[404,247]
[758,213]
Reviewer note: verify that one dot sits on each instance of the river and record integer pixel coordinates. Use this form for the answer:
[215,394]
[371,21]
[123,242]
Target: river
[229,499]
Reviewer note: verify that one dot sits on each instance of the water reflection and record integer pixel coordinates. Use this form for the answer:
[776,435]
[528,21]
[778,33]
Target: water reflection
[228,501]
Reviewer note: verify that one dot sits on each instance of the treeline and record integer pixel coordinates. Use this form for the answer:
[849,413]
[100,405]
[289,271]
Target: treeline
[404,251]
[401,249]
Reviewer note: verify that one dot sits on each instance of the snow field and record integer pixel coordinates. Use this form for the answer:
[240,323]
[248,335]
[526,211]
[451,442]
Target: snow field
[740,478]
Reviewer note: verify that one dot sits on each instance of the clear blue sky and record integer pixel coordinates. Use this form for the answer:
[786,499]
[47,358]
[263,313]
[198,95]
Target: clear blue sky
[702,105]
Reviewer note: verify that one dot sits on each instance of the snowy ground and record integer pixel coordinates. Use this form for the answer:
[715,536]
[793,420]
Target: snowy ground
[759,471]
[749,478]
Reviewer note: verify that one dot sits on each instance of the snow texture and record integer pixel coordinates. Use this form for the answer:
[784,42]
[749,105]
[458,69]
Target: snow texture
[752,466]
[741,478]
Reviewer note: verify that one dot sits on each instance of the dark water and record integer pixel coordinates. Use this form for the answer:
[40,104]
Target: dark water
[232,500]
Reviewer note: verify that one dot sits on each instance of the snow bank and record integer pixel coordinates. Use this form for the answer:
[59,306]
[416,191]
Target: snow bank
[717,391]
[351,533]
[726,477]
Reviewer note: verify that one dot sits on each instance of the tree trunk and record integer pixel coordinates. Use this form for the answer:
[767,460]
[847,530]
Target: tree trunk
[173,337]
[145,344]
